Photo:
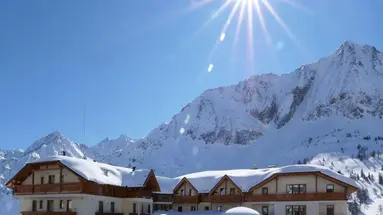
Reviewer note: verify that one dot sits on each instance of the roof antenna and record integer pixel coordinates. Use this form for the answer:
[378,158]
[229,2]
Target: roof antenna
[84,124]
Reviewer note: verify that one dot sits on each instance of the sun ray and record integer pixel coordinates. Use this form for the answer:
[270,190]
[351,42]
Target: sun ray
[224,29]
[298,6]
[217,13]
[239,24]
[196,4]
[262,22]
[250,30]
[254,12]
[279,20]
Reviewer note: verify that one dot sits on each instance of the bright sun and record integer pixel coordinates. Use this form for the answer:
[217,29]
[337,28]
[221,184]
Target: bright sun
[253,11]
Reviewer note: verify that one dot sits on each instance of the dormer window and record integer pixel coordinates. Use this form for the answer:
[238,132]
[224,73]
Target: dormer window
[191,192]
[330,188]
[265,191]
[222,191]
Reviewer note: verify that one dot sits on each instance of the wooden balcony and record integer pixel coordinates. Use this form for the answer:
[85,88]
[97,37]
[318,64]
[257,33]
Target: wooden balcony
[139,194]
[225,198]
[204,197]
[296,197]
[47,188]
[47,213]
[99,213]
[137,214]
[185,199]
[162,197]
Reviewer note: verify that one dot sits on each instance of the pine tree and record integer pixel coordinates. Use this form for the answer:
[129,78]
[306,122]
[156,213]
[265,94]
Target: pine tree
[380,209]
[380,180]
[354,207]
[362,174]
[363,196]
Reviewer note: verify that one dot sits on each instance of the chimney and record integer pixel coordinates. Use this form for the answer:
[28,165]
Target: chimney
[134,168]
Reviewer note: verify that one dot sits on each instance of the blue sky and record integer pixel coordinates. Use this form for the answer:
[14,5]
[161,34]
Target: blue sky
[134,64]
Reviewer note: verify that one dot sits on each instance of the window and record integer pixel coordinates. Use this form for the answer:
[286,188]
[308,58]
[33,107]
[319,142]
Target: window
[50,205]
[191,192]
[112,207]
[34,205]
[179,208]
[330,188]
[149,209]
[192,208]
[69,205]
[221,191]
[51,179]
[330,210]
[42,180]
[182,192]
[61,204]
[295,188]
[134,208]
[219,208]
[265,191]
[41,204]
[101,206]
[302,188]
[142,208]
[62,179]
[206,208]
[265,210]
[232,191]
[295,210]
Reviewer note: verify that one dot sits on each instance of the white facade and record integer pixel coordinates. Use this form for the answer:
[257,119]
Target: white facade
[84,204]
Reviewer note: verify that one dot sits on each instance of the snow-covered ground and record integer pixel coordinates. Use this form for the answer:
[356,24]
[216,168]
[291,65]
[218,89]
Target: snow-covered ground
[232,211]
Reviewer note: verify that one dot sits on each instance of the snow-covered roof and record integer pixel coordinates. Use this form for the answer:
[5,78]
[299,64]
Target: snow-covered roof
[245,179]
[167,184]
[102,173]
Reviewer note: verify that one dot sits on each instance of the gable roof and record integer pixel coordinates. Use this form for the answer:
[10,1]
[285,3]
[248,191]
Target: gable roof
[96,172]
[246,179]
[184,180]
[223,180]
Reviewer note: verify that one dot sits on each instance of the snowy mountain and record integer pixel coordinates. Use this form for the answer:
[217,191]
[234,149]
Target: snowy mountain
[329,110]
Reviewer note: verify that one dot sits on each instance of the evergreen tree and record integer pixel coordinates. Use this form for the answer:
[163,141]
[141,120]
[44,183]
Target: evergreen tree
[380,180]
[380,209]
[362,174]
[363,196]
[354,207]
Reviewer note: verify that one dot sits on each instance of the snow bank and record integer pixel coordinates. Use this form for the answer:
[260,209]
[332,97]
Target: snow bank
[241,211]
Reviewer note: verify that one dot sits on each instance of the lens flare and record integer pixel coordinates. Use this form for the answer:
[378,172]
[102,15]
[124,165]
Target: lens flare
[252,11]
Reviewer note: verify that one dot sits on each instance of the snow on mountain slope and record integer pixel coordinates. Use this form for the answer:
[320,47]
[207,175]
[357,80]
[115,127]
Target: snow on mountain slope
[11,161]
[334,105]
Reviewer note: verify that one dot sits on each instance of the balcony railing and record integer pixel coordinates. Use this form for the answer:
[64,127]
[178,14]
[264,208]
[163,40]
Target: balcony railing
[137,214]
[225,198]
[185,199]
[47,188]
[139,193]
[296,197]
[162,198]
[47,213]
[99,213]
